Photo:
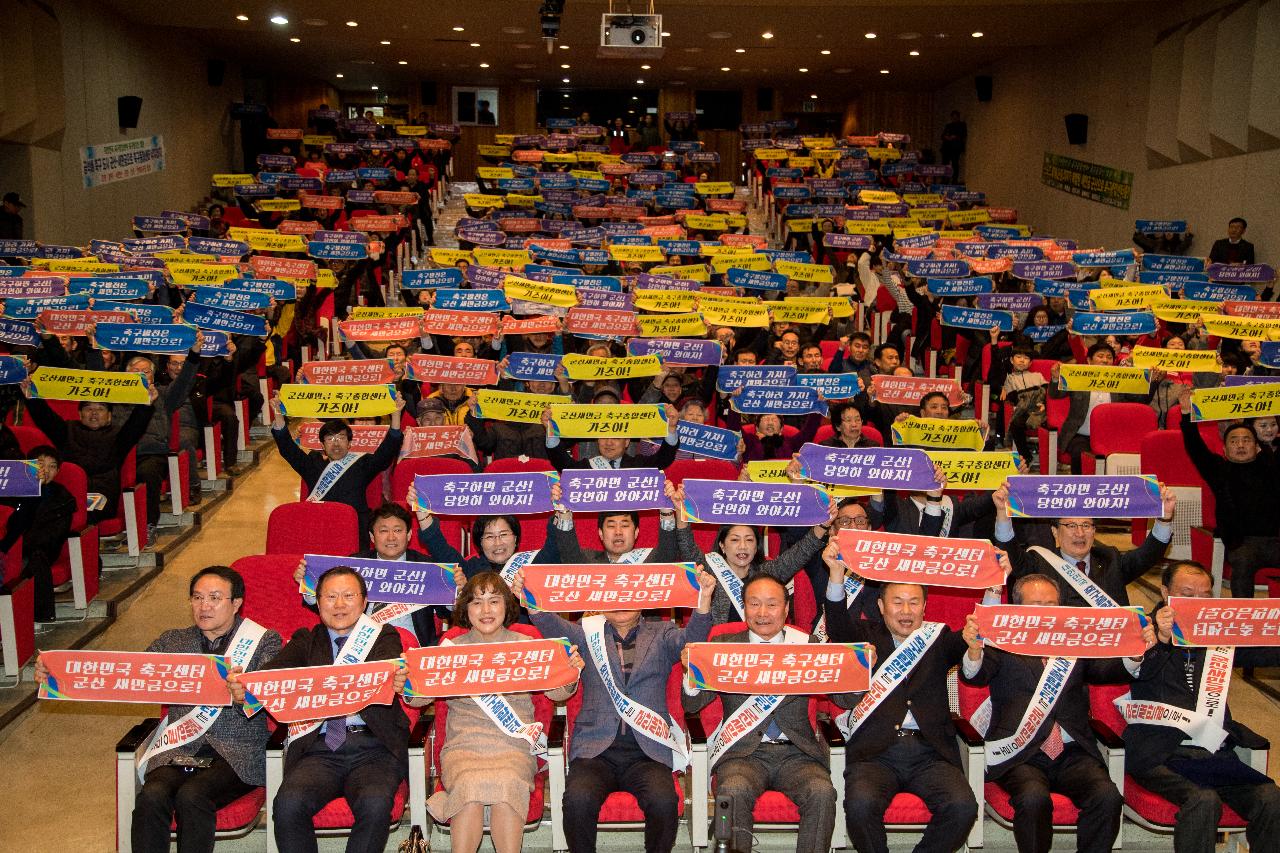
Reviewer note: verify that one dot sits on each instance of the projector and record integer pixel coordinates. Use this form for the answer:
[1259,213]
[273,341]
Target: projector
[627,36]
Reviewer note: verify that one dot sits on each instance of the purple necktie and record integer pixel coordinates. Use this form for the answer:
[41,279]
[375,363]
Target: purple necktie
[335,732]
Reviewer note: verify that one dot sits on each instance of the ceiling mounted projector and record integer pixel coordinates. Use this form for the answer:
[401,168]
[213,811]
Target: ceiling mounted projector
[628,36]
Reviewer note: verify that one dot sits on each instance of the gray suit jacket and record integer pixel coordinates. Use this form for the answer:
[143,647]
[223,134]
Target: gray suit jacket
[241,740]
[658,647]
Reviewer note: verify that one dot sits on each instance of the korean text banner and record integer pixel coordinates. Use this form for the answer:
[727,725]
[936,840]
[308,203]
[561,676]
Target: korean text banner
[942,433]
[1073,632]
[19,478]
[737,502]
[600,420]
[99,676]
[1074,496]
[318,692]
[908,390]
[515,406]
[531,666]
[902,558]
[791,669]
[337,401]
[484,494]
[1228,403]
[1226,621]
[577,588]
[93,386]
[965,469]
[390,581]
[608,490]
[907,469]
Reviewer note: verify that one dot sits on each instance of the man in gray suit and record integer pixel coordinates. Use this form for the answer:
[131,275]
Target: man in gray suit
[606,753]
[200,775]
[782,753]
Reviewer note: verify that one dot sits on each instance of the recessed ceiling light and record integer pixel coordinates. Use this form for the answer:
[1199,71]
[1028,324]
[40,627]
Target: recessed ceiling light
[693,50]
[565,65]
[766,35]
[976,35]
[645,67]
[724,68]
[635,97]
[914,53]
[884,70]
[825,52]
[640,82]
[295,39]
[385,41]
[458,29]
[939,35]
[475,44]
[374,88]
[741,50]
[666,35]
[564,47]
[338,75]
[280,20]
[908,36]
[564,79]
[869,35]
[566,94]
[632,112]
[242,17]
[804,70]
[484,65]
[353,23]
[403,62]
[814,97]
[525,66]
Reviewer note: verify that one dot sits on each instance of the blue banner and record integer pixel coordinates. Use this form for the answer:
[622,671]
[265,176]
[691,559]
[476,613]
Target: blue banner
[937,269]
[126,337]
[960,286]
[1215,292]
[705,440]
[283,291]
[18,333]
[60,253]
[12,370]
[1029,270]
[210,246]
[224,320]
[1120,257]
[732,377]
[485,299]
[145,313]
[18,248]
[1016,302]
[688,352]
[148,245]
[29,309]
[832,386]
[159,223]
[532,366]
[236,300]
[1040,334]
[756,280]
[1137,323]
[591,282]
[215,344]
[684,248]
[783,400]
[337,251]
[424,279]
[1160,226]
[117,289]
[605,300]
[976,318]
[1173,280]
[1270,355]
[1051,287]
[1019,254]
[1172,263]
[1079,299]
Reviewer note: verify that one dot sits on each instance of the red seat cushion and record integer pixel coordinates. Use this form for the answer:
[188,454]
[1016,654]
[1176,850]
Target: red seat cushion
[620,807]
[337,814]
[1064,811]
[907,809]
[1161,812]
[240,813]
[775,807]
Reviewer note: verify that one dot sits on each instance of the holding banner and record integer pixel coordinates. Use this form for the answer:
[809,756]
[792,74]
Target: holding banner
[484,494]
[365,438]
[1225,622]
[976,318]
[308,693]
[674,351]
[1076,632]
[515,406]
[591,368]
[91,386]
[984,471]
[1098,377]
[702,440]
[85,675]
[869,467]
[732,377]
[926,560]
[1181,360]
[791,669]
[909,390]
[1137,323]
[613,490]
[737,502]
[601,420]
[390,581]
[1228,403]
[832,386]
[1076,496]
[451,369]
[349,372]
[532,666]
[224,320]
[938,432]
[161,338]
[337,401]
[579,588]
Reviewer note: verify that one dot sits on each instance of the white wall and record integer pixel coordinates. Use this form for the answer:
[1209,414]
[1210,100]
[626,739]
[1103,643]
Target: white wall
[103,59]
[1110,80]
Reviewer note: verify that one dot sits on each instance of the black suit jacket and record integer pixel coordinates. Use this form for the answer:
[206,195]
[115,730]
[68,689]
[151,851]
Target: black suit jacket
[424,620]
[388,723]
[560,458]
[1012,680]
[1110,568]
[1223,252]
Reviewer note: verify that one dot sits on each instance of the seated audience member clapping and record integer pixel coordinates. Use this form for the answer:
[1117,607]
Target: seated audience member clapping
[482,765]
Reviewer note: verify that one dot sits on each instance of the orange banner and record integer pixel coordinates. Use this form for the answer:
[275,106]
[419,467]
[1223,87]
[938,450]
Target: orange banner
[382,329]
[421,442]
[780,669]
[1226,621]
[351,372]
[265,266]
[150,677]
[452,369]
[532,666]
[610,586]
[1065,632]
[59,321]
[319,692]
[302,226]
[460,324]
[928,560]
[543,324]
[593,321]
[365,438]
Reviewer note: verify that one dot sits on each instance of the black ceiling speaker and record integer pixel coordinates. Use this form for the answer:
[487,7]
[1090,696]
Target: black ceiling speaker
[982,83]
[128,107]
[1077,128]
[217,70]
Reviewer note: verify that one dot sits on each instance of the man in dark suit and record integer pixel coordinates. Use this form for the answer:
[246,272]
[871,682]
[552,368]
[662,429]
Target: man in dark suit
[1109,568]
[1073,437]
[362,757]
[905,740]
[617,531]
[1164,760]
[613,451]
[1061,756]
[932,513]
[1232,249]
[782,752]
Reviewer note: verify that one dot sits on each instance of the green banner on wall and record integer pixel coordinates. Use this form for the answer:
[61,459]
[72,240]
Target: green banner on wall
[1102,184]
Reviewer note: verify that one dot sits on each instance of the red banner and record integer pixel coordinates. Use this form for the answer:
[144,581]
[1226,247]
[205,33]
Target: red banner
[520,225]
[928,560]
[532,666]
[394,197]
[1070,632]
[733,205]
[990,266]
[421,442]
[320,202]
[284,133]
[460,324]
[73,322]
[793,669]
[365,438]
[593,321]
[271,267]
[543,324]
[392,222]
[755,241]
[374,371]
[382,329]
[169,679]
[452,369]
[1226,621]
[549,243]
[300,226]
[319,692]
[1251,309]
[610,586]
[907,390]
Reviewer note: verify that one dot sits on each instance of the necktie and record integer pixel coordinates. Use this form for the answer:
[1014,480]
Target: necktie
[1084,569]
[773,732]
[1053,744]
[335,731]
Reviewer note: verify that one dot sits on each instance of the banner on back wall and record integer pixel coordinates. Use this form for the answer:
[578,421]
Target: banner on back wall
[1102,184]
[1075,496]
[390,581]
[531,666]
[1077,632]
[337,401]
[928,560]
[611,586]
[484,494]
[737,502]
[120,161]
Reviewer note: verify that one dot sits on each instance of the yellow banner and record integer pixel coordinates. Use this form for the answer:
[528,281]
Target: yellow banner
[1098,377]
[942,433]
[602,420]
[262,240]
[317,140]
[1129,298]
[884,153]
[783,312]
[91,386]
[968,470]
[1240,401]
[592,368]
[411,130]
[917,199]
[896,222]
[367,312]
[968,217]
[800,224]
[325,278]
[775,471]
[671,326]
[824,154]
[1243,328]
[337,401]
[78,265]
[689,272]
[504,138]
[752,315]
[817,142]
[800,162]
[1183,310]
[190,272]
[493,151]
[665,301]
[558,157]
[517,200]
[698,222]
[714,188]
[736,220]
[478,200]
[515,406]
[589,174]
[878,197]
[716,250]
[919,213]
[1177,360]
[771,154]
[868,228]
[821,273]
[277,205]
[840,306]
[544,292]
[637,254]
[502,257]
[233,180]
[758,263]
[947,234]
[449,257]
[904,233]
[494,173]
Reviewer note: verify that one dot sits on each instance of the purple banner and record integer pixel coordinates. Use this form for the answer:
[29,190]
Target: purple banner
[391,581]
[1128,496]
[484,494]
[35,287]
[937,269]
[1018,302]
[906,469]
[1029,270]
[625,489]
[692,353]
[1234,380]
[733,377]
[19,478]
[1242,273]
[786,400]
[773,504]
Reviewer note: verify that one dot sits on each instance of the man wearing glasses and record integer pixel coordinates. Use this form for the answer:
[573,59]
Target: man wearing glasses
[1082,566]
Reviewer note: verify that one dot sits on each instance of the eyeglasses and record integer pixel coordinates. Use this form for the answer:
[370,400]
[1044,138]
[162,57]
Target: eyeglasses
[1077,526]
[335,597]
[860,521]
[494,537]
[214,598]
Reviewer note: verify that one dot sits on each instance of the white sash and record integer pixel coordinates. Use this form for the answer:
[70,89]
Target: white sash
[389,613]
[852,586]
[196,723]
[729,582]
[517,562]
[894,671]
[355,649]
[948,512]
[750,714]
[599,463]
[635,555]
[499,710]
[1203,726]
[642,720]
[1079,581]
[330,476]
[1039,710]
